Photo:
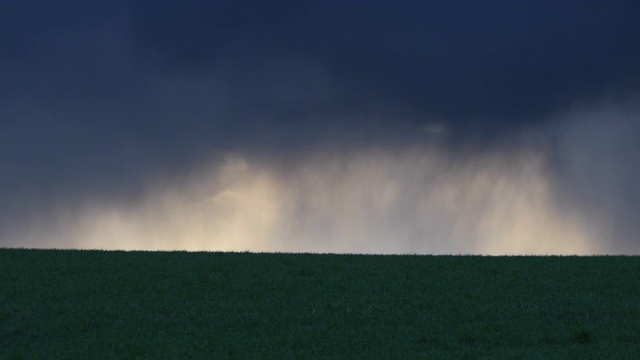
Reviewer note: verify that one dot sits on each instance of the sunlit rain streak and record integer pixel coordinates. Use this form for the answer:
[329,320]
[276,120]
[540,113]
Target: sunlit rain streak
[413,199]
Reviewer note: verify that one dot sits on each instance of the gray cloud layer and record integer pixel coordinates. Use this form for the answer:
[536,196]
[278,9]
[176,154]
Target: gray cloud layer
[101,99]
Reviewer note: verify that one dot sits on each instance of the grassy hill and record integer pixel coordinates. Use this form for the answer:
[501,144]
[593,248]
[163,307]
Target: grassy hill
[104,304]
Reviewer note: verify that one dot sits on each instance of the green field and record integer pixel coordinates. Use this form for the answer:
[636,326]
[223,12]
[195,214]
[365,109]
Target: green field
[100,304]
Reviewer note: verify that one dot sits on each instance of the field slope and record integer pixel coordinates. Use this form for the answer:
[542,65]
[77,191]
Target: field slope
[99,304]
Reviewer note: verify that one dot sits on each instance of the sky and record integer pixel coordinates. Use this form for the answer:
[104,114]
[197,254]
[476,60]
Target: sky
[436,127]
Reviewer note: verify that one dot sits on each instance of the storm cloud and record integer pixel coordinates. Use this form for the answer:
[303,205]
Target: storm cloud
[444,127]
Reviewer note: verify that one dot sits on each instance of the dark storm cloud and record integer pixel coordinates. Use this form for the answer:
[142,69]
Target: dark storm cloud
[477,65]
[468,61]
[483,68]
[99,97]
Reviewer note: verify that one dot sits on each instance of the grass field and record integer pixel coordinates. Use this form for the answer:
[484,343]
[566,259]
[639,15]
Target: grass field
[98,304]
